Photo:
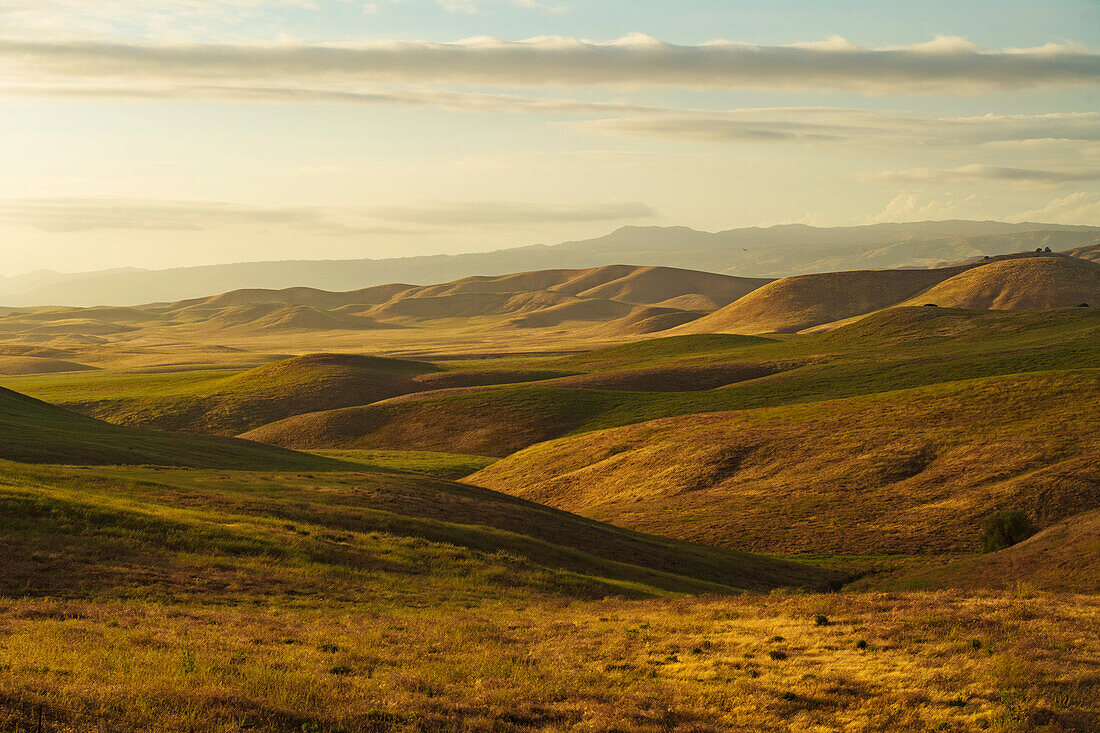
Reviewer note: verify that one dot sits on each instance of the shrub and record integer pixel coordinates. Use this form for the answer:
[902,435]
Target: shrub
[861,644]
[821,619]
[777,654]
[1005,529]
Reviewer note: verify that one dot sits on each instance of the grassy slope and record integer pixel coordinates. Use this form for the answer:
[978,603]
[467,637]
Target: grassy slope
[1063,557]
[892,350]
[1051,281]
[127,532]
[795,303]
[225,402]
[911,471]
[36,432]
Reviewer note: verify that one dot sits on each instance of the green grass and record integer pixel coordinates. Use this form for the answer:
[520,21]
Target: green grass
[440,465]
[229,402]
[135,532]
[501,420]
[659,351]
[35,432]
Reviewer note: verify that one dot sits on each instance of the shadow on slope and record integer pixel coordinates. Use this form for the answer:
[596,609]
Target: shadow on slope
[361,536]
[36,432]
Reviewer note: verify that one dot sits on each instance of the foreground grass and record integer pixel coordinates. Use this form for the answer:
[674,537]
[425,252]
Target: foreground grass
[882,662]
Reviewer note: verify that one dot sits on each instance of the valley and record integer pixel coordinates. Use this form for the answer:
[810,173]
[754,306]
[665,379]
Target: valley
[630,498]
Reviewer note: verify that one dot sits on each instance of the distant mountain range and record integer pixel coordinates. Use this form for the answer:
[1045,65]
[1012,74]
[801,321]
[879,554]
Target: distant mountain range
[770,252]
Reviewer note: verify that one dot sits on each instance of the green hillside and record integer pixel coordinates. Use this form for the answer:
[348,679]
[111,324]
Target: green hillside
[36,432]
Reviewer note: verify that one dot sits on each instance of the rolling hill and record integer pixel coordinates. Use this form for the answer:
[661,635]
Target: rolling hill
[19,365]
[362,533]
[567,308]
[800,303]
[604,302]
[911,471]
[227,403]
[792,304]
[1031,282]
[895,349]
[770,252]
[36,432]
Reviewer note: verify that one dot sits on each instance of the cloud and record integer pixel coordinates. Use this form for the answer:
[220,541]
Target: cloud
[635,61]
[492,213]
[831,125]
[73,215]
[1076,208]
[180,17]
[914,206]
[979,172]
[86,214]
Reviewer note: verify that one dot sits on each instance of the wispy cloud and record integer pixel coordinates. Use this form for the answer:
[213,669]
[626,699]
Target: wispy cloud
[830,125]
[943,65]
[491,213]
[979,172]
[84,214]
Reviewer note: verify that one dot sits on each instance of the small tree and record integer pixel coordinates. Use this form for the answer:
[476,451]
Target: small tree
[1005,529]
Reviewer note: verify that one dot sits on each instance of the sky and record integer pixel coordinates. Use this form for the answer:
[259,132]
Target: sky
[164,133]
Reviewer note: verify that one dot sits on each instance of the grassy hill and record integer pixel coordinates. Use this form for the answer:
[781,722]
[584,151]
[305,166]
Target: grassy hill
[1050,281]
[893,350]
[36,432]
[796,303]
[141,533]
[228,402]
[911,471]
[804,302]
[19,365]
[224,585]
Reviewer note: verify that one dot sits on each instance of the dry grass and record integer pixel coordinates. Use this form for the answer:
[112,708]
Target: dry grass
[1050,281]
[908,472]
[933,661]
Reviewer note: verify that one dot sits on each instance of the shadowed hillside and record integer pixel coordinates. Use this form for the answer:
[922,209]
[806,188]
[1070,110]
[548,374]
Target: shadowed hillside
[35,432]
[1064,557]
[137,533]
[213,402]
[19,365]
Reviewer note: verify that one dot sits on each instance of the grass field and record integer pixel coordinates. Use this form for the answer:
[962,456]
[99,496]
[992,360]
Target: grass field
[884,662]
[812,559]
